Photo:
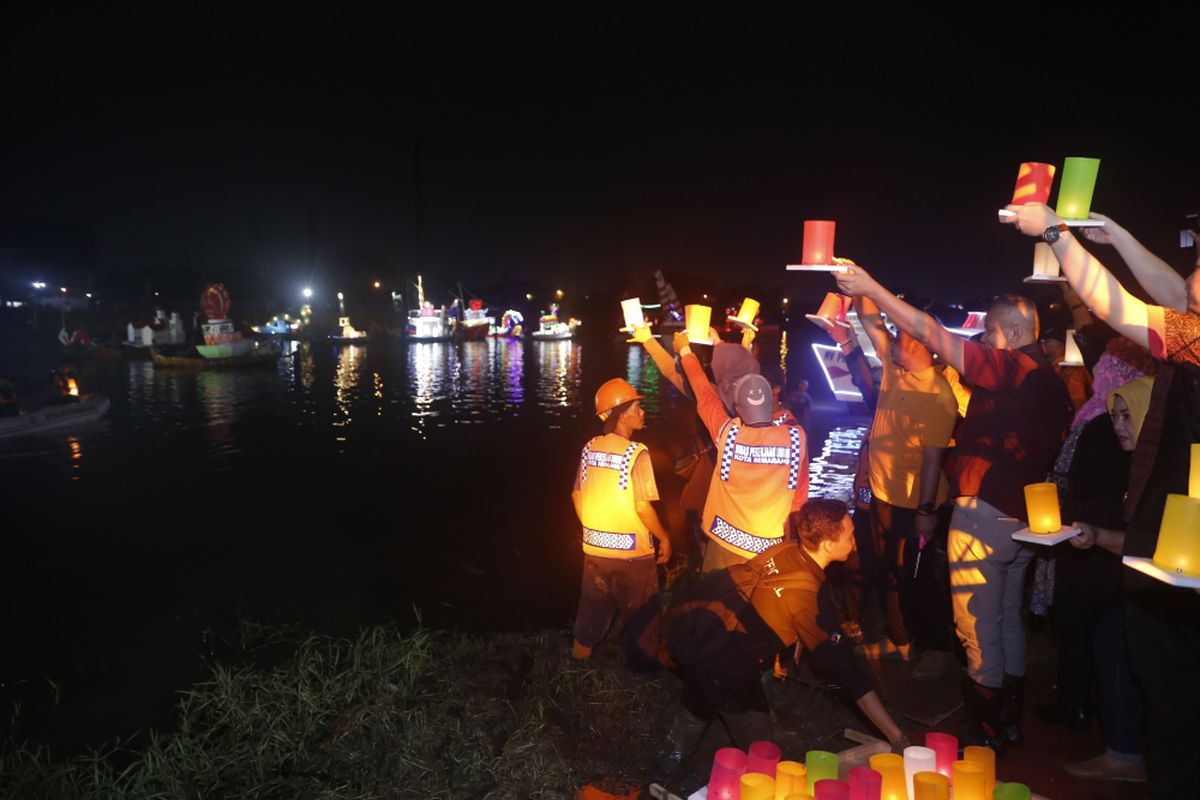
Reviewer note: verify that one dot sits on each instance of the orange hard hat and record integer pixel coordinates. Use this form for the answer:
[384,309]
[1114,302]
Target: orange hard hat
[613,393]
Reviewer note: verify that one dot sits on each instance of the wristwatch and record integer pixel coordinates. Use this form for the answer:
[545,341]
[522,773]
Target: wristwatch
[1051,234]
[927,510]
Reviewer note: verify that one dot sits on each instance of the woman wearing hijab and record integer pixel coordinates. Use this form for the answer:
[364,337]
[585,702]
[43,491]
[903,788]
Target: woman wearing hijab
[1102,540]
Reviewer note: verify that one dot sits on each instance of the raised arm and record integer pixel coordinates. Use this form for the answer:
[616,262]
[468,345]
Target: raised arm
[1097,287]
[662,359]
[708,405]
[872,322]
[1157,277]
[917,324]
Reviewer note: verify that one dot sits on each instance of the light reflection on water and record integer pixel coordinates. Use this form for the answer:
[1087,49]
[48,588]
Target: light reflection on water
[831,474]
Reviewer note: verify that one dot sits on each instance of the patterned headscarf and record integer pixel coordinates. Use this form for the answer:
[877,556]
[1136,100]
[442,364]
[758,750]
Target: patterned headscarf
[1122,362]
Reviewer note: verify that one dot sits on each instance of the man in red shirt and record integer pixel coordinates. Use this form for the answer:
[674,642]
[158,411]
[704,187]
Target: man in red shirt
[1016,421]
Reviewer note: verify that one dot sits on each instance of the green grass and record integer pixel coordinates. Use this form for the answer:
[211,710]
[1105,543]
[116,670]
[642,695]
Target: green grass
[419,714]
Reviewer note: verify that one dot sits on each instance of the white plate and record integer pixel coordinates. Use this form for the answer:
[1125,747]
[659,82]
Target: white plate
[816,268]
[1064,533]
[1044,279]
[1084,223]
[820,321]
[740,324]
[1148,567]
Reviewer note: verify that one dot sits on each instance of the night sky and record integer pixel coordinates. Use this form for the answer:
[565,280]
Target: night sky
[580,147]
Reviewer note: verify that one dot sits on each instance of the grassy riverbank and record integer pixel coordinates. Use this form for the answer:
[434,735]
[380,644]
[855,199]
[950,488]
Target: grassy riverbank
[430,714]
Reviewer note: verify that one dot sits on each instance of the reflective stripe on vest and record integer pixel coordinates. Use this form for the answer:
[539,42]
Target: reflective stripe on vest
[608,510]
[739,538]
[762,455]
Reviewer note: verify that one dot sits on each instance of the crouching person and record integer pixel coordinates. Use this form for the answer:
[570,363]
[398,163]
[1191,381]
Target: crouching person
[727,629]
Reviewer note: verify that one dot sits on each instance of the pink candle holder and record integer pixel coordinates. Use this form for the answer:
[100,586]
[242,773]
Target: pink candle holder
[818,241]
[830,789]
[945,750]
[865,784]
[763,757]
[724,782]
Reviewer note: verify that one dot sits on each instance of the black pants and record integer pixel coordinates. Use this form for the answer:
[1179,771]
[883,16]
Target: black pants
[914,593]
[1163,628]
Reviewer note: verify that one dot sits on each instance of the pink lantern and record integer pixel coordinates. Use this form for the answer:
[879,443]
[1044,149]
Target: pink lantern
[945,750]
[830,789]
[818,241]
[763,757]
[729,765]
[865,784]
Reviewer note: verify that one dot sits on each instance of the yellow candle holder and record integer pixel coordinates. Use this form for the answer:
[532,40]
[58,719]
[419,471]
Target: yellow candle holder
[791,778]
[969,780]
[986,758]
[1178,549]
[746,316]
[698,319]
[891,767]
[1194,475]
[757,786]
[1041,504]
[931,786]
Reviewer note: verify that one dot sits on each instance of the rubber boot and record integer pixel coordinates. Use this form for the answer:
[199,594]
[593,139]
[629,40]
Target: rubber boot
[580,652]
[684,737]
[981,723]
[747,726]
[1011,707]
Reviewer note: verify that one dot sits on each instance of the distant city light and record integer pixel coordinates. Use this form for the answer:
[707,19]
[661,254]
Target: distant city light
[528,296]
[341,296]
[62,289]
[307,292]
[376,284]
[558,293]
[785,301]
[39,285]
[88,295]
[705,296]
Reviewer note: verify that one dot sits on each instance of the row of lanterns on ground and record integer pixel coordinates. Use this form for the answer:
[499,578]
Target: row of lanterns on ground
[922,773]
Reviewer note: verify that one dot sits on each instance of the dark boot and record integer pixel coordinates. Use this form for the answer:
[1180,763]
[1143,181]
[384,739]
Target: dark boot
[686,732]
[1011,707]
[981,721]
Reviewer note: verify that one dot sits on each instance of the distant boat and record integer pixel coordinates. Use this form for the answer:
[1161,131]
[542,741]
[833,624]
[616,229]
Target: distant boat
[512,325]
[551,329]
[181,356]
[349,334]
[476,324]
[52,418]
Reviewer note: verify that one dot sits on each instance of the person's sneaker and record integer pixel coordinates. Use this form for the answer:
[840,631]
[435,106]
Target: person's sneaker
[1106,767]
[931,665]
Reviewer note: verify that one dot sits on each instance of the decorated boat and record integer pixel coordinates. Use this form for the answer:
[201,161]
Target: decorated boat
[221,340]
[552,329]
[512,325]
[476,325]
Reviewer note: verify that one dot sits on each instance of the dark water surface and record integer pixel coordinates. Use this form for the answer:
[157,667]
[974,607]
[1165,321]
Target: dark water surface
[338,488]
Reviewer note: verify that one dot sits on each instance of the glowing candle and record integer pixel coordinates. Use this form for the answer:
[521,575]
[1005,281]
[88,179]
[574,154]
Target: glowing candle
[818,241]
[1012,791]
[917,759]
[791,778]
[834,307]
[968,780]
[1194,475]
[945,748]
[986,758]
[931,786]
[830,789]
[724,782]
[1075,191]
[821,764]
[698,319]
[865,784]
[1045,263]
[748,312]
[1071,355]
[1034,180]
[1041,504]
[890,767]
[1178,547]
[631,309]
[757,786]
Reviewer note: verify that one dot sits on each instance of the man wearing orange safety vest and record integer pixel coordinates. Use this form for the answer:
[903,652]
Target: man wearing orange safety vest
[762,466]
[614,489]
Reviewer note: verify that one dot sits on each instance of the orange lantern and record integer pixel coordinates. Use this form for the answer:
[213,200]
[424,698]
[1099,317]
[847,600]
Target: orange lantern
[1034,180]
[818,242]
[931,786]
[1041,505]
[986,758]
[791,778]
[891,767]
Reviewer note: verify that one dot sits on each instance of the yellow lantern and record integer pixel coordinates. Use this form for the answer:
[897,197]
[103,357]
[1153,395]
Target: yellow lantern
[891,767]
[791,777]
[698,319]
[745,317]
[931,786]
[757,786]
[969,780]
[1071,355]
[1045,265]
[1194,475]
[1178,548]
[1041,505]
[986,758]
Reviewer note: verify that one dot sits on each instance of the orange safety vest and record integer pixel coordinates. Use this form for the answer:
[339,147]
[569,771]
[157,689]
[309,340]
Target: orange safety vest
[753,485]
[611,525]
